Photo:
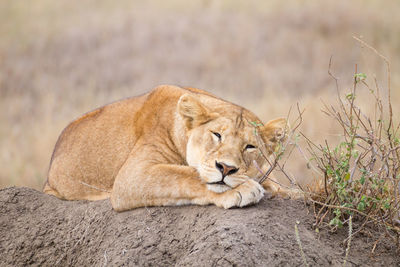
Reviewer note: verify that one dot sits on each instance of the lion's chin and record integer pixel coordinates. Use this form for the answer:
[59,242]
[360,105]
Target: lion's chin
[218,188]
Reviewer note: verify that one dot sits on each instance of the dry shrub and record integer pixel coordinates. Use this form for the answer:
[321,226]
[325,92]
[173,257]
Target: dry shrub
[360,175]
[362,172]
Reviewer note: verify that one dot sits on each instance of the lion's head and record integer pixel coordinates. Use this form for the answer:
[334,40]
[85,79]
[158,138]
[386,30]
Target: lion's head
[224,141]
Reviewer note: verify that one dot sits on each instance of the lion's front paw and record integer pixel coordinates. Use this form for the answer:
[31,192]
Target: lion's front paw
[249,192]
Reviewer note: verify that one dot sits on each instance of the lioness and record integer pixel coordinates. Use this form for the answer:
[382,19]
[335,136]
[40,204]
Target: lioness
[171,146]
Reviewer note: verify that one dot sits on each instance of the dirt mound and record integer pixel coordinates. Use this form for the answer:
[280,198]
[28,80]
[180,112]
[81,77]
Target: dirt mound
[37,229]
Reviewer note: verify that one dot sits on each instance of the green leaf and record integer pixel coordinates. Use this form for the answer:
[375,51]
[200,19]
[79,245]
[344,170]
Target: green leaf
[350,96]
[360,77]
[336,221]
[337,212]
[256,124]
[361,206]
[386,205]
[333,221]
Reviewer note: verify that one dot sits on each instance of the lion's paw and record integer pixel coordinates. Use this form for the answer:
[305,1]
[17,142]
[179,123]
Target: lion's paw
[250,192]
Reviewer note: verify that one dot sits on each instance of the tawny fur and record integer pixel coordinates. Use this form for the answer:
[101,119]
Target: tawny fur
[161,148]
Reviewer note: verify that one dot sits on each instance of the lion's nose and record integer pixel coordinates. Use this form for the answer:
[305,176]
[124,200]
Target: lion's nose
[225,169]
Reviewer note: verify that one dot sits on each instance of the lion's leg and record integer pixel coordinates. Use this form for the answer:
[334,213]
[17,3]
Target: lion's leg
[70,183]
[49,190]
[157,185]
[280,191]
[166,184]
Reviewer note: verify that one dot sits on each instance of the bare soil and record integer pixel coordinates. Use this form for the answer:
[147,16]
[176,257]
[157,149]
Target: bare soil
[37,229]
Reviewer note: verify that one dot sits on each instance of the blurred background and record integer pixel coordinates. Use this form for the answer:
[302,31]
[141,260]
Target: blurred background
[59,59]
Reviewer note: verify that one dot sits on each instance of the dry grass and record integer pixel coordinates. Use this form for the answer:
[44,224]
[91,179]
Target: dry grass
[59,59]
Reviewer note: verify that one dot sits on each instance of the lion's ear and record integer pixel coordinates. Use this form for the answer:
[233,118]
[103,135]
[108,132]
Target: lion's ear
[193,112]
[274,131]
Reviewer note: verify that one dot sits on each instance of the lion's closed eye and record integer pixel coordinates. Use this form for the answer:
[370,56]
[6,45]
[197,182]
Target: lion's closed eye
[218,135]
[249,147]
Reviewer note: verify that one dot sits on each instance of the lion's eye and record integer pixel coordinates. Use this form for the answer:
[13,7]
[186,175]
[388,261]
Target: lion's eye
[250,147]
[217,135]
